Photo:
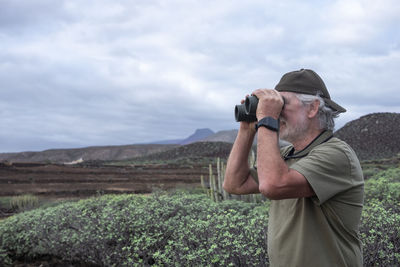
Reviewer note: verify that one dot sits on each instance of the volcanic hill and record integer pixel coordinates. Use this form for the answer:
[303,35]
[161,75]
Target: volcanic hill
[373,136]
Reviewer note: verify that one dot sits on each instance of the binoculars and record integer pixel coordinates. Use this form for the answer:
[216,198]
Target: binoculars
[247,111]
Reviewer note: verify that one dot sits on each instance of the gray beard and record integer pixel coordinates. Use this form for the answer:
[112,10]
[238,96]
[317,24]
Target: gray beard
[295,133]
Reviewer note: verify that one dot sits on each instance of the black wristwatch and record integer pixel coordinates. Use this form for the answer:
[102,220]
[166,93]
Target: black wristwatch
[269,123]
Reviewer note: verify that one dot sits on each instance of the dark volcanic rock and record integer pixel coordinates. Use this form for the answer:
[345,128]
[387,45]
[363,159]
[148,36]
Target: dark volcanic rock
[373,136]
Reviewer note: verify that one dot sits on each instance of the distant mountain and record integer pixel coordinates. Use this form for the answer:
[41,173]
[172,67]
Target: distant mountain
[103,152]
[86,153]
[373,136]
[222,136]
[168,142]
[203,135]
[200,134]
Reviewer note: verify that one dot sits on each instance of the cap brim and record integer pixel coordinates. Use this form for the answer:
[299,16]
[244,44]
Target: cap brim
[334,105]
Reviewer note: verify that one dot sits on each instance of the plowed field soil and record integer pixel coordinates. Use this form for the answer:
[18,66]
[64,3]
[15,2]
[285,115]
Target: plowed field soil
[74,180]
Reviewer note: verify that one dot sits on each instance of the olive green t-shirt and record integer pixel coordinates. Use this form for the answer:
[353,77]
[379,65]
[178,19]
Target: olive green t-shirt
[320,230]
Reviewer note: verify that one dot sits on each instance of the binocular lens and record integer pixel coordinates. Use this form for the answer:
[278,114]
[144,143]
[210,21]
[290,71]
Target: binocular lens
[241,115]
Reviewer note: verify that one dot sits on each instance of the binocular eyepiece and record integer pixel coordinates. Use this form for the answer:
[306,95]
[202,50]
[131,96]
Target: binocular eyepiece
[247,111]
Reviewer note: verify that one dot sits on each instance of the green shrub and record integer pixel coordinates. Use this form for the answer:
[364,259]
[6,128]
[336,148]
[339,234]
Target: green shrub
[384,187]
[380,233]
[380,228]
[132,230]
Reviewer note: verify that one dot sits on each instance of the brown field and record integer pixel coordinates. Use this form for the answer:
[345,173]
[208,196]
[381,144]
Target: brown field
[74,180]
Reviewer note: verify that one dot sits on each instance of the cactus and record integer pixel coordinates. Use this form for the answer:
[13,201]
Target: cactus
[216,191]
[213,186]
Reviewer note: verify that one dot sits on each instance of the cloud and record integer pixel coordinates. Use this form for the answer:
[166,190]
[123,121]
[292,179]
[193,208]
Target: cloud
[78,73]
[356,22]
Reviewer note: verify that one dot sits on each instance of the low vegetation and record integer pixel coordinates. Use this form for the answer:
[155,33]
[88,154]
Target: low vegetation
[380,230]
[129,229]
[183,161]
[180,228]
[24,202]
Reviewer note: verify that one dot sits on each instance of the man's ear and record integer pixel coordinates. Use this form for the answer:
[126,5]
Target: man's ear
[313,109]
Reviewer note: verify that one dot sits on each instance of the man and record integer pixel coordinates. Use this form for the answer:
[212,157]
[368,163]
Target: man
[315,185]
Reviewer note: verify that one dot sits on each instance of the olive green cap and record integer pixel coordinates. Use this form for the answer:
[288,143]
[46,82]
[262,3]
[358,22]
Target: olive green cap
[306,81]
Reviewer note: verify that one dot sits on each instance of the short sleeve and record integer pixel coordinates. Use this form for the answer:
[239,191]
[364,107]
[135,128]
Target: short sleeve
[253,170]
[329,170]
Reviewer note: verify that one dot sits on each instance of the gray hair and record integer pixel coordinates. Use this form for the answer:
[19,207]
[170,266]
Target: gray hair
[326,115]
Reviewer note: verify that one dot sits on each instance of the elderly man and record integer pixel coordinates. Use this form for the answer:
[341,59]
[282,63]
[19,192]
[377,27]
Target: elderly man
[316,185]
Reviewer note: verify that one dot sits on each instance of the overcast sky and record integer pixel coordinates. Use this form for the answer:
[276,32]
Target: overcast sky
[77,73]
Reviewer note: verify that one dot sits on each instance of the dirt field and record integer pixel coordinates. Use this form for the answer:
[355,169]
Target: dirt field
[74,180]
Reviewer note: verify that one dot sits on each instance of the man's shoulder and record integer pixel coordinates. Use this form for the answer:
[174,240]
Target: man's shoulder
[337,150]
[337,145]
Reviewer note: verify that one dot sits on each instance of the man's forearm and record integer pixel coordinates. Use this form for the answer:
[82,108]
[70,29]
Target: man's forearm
[237,169]
[270,166]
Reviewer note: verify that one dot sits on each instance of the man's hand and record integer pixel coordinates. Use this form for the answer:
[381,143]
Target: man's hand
[270,103]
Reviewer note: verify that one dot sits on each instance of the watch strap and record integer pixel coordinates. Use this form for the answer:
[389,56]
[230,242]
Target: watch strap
[269,123]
